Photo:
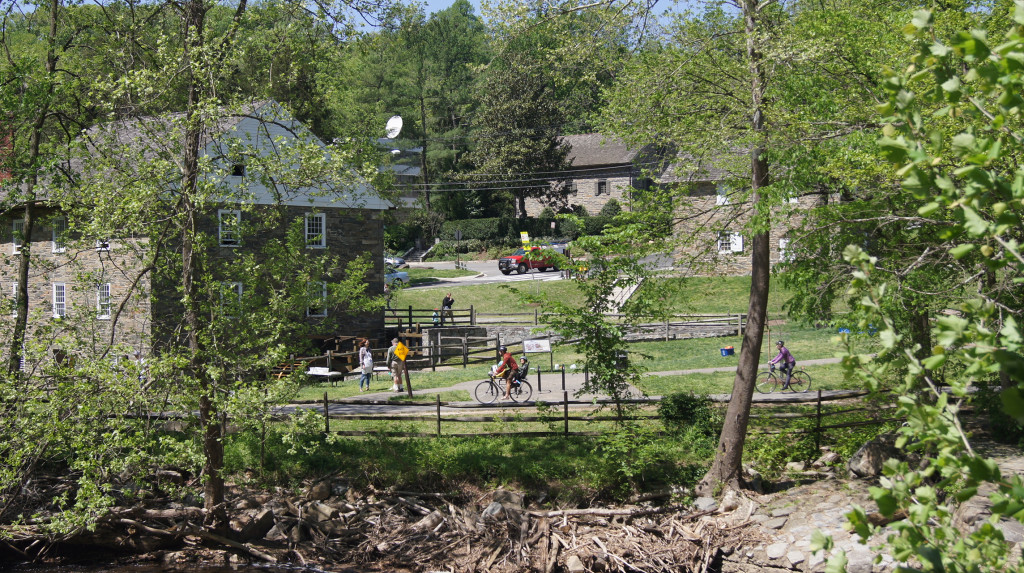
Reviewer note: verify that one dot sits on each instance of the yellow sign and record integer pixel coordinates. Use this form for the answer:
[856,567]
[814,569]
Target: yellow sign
[525,237]
[401,351]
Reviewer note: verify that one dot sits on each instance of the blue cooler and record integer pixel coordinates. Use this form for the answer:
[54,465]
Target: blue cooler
[728,351]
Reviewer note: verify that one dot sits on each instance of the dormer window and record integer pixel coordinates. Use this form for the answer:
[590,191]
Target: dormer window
[238,170]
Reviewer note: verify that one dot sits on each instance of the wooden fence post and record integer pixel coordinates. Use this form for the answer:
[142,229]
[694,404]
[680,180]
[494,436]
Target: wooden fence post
[472,316]
[538,379]
[327,415]
[563,378]
[536,316]
[817,425]
[410,315]
[565,410]
[465,353]
[438,415]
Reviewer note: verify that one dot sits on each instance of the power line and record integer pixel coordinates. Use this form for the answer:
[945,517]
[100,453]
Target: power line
[549,176]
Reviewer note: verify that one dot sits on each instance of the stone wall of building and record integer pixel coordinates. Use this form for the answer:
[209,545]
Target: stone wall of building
[617,185]
[82,266]
[707,216]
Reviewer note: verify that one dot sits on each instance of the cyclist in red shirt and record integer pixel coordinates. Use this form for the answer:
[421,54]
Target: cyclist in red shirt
[507,370]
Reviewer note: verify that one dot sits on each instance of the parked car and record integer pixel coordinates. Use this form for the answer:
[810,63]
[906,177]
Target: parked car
[396,277]
[395,261]
[519,262]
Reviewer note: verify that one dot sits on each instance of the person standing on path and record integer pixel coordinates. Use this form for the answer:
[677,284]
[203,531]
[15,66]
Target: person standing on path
[366,363]
[446,308]
[397,366]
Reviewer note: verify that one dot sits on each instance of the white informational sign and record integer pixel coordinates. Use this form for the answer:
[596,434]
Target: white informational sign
[525,237]
[530,346]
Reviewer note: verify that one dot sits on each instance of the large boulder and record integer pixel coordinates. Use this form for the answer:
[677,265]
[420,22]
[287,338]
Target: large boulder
[870,458]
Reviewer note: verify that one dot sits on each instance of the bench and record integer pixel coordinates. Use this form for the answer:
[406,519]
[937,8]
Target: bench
[324,372]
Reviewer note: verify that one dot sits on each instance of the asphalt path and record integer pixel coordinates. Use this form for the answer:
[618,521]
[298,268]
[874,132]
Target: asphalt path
[551,392]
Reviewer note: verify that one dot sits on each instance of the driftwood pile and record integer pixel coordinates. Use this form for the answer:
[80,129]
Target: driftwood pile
[332,525]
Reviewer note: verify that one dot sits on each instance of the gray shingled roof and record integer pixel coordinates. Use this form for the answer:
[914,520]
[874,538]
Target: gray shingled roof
[593,149]
[689,169]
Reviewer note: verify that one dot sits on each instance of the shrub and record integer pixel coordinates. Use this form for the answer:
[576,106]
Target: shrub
[400,237]
[610,209]
[684,410]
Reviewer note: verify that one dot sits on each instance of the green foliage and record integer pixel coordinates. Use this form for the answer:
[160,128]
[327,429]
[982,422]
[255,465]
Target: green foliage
[770,452]
[1001,426]
[610,209]
[630,455]
[399,237]
[954,130]
[681,411]
[573,470]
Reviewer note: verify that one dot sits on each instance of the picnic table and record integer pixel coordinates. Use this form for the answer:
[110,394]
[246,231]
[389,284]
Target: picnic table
[324,372]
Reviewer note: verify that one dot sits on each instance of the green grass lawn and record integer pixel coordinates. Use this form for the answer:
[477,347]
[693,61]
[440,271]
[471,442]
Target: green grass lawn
[696,295]
[422,276]
[489,298]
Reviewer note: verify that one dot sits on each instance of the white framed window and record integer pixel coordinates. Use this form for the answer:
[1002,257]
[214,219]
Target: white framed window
[729,242]
[785,256]
[60,302]
[721,196]
[231,298]
[102,244]
[103,303]
[318,299]
[227,227]
[736,243]
[60,231]
[316,230]
[17,234]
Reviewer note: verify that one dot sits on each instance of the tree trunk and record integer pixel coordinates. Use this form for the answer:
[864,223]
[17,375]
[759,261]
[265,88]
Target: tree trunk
[727,468]
[213,445]
[423,154]
[24,258]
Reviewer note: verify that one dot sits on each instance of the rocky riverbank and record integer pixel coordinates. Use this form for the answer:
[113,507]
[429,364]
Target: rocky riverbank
[331,526]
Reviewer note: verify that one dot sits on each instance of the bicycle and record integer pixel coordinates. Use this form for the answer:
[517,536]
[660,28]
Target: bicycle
[767,382]
[488,391]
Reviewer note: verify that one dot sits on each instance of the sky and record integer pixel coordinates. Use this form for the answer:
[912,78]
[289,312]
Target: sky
[438,5]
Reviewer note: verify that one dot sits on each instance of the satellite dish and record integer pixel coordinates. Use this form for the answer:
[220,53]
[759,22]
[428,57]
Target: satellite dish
[393,127]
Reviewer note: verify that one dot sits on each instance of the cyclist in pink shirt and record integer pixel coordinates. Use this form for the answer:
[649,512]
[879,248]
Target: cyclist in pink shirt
[786,362]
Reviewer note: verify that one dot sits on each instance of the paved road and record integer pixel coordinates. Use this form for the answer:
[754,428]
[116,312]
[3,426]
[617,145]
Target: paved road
[487,272]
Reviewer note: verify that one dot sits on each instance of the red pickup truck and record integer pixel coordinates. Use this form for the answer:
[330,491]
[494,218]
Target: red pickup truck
[518,261]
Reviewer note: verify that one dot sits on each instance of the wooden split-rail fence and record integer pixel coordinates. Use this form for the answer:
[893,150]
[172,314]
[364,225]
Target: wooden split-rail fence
[561,413]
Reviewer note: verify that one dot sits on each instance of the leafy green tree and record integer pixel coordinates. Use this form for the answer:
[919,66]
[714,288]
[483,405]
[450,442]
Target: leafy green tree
[521,119]
[778,83]
[954,130]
